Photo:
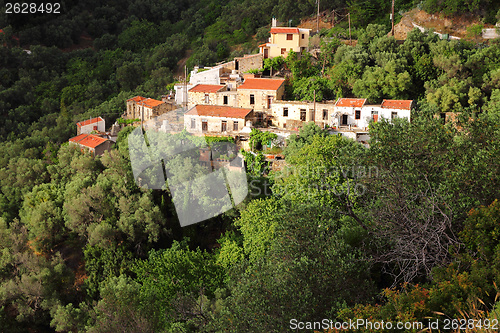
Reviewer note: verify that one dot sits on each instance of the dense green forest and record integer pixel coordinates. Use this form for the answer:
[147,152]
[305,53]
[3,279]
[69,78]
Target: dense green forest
[407,229]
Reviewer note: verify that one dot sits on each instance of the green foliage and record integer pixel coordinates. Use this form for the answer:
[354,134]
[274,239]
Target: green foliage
[274,64]
[259,138]
[122,121]
[306,136]
[104,264]
[307,256]
[167,274]
[306,89]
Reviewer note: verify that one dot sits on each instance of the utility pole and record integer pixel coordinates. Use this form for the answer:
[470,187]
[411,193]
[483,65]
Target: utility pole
[317,19]
[314,107]
[349,16]
[392,18]
[185,87]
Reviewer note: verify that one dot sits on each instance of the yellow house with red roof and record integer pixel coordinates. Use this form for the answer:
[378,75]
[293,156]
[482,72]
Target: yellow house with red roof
[285,39]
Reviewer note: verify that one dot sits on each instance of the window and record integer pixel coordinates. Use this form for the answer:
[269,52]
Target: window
[95,128]
[207,99]
[325,114]
[302,115]
[235,125]
[285,112]
[204,125]
[252,99]
[224,126]
[225,100]
[193,123]
[283,51]
[289,36]
[358,115]
[375,116]
[302,36]
[394,115]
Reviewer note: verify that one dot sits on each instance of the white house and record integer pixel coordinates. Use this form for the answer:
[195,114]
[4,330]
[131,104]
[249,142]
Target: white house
[354,113]
[88,126]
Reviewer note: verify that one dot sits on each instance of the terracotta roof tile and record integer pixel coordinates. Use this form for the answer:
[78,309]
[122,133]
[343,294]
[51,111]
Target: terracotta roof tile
[151,103]
[136,99]
[284,30]
[89,121]
[218,111]
[88,140]
[262,84]
[396,104]
[206,88]
[351,102]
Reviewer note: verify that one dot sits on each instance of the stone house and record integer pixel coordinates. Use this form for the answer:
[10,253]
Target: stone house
[91,143]
[144,108]
[205,94]
[248,62]
[291,114]
[259,95]
[217,119]
[90,125]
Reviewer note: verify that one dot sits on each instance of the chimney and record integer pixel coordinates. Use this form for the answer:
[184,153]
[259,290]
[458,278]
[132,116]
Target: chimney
[273,25]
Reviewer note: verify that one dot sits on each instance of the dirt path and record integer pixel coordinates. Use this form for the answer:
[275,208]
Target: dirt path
[454,26]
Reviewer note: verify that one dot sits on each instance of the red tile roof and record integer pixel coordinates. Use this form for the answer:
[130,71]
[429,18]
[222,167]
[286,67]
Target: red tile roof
[262,84]
[89,121]
[151,103]
[136,99]
[206,88]
[284,30]
[351,102]
[396,104]
[88,140]
[218,111]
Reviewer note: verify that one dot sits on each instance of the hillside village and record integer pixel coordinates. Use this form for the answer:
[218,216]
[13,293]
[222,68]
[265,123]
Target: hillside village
[230,100]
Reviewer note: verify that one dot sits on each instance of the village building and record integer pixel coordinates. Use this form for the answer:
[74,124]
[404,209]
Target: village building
[259,94]
[91,125]
[143,108]
[354,112]
[391,109]
[206,94]
[283,40]
[349,112]
[217,119]
[248,62]
[292,114]
[93,144]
